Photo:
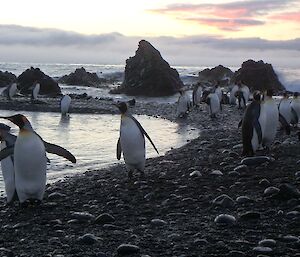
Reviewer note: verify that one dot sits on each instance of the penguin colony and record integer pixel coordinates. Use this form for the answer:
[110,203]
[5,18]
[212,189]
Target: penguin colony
[24,161]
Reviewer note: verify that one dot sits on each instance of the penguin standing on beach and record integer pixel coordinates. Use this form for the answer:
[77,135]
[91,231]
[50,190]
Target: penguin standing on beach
[218,91]
[11,91]
[7,164]
[197,95]
[295,108]
[232,97]
[242,95]
[251,129]
[65,103]
[132,142]
[213,102]
[183,104]
[35,91]
[30,161]
[268,119]
[285,111]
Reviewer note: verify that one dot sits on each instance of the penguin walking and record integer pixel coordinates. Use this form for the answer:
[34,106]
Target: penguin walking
[35,91]
[132,142]
[30,161]
[295,108]
[268,119]
[251,128]
[197,95]
[213,102]
[183,104]
[65,103]
[218,91]
[7,164]
[242,95]
[285,112]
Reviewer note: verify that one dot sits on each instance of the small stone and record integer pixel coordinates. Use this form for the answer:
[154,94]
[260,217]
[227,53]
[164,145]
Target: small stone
[224,201]
[289,239]
[286,192]
[267,243]
[234,174]
[6,252]
[88,239]
[225,219]
[104,218]
[241,168]
[264,182]
[243,199]
[250,215]
[54,241]
[271,191]
[158,222]
[262,249]
[124,249]
[56,196]
[196,174]
[238,146]
[234,253]
[174,237]
[293,214]
[256,160]
[82,216]
[216,173]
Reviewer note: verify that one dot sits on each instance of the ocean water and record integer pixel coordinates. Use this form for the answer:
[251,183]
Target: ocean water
[93,139]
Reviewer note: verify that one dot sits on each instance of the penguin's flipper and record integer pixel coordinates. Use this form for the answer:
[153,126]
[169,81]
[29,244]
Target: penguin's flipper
[285,124]
[58,150]
[257,127]
[119,149]
[240,123]
[7,151]
[144,132]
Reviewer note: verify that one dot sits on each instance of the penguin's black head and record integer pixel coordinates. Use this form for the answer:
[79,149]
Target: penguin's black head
[256,95]
[3,129]
[122,107]
[18,119]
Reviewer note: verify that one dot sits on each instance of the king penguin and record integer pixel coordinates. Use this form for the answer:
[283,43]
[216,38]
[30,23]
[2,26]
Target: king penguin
[30,161]
[213,102]
[197,95]
[251,129]
[232,98]
[242,95]
[7,164]
[65,104]
[132,142]
[268,119]
[183,104]
[11,91]
[295,107]
[35,91]
[285,111]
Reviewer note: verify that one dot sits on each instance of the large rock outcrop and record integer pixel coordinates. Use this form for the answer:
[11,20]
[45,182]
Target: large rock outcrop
[48,85]
[82,78]
[148,74]
[218,73]
[7,78]
[258,76]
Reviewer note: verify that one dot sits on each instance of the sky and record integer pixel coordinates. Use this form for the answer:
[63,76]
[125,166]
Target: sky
[190,32]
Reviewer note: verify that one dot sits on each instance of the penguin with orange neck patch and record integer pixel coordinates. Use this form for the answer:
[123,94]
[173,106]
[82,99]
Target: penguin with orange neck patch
[132,142]
[30,161]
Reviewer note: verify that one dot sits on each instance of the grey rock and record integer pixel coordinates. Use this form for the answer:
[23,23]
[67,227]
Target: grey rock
[6,252]
[224,201]
[243,199]
[196,174]
[216,173]
[125,249]
[264,182]
[256,160]
[56,196]
[158,222]
[104,218]
[82,216]
[267,243]
[271,191]
[262,249]
[241,168]
[88,239]
[289,238]
[225,219]
[250,215]
[54,241]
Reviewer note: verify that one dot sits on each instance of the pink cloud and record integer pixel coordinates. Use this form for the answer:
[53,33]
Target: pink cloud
[288,16]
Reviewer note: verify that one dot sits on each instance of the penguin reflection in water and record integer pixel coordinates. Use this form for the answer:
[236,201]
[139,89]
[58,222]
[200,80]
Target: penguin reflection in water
[30,161]
[132,142]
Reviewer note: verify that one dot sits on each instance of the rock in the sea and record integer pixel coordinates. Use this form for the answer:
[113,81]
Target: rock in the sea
[125,249]
[26,80]
[225,219]
[81,77]
[7,78]
[148,74]
[218,73]
[258,76]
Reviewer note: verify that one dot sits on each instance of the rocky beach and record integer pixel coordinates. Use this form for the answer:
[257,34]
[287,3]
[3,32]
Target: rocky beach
[197,200]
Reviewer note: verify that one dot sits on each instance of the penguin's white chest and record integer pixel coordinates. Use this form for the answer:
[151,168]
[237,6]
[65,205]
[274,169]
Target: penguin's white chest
[214,103]
[132,142]
[65,104]
[269,119]
[30,166]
